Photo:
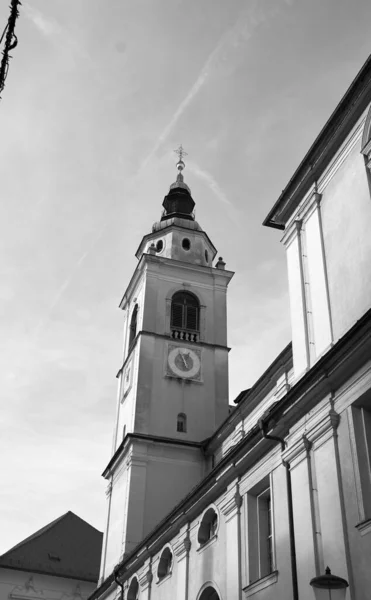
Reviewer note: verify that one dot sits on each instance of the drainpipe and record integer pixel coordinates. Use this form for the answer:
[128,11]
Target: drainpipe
[263,428]
[120,584]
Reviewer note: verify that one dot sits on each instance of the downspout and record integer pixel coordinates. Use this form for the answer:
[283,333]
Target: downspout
[263,427]
[187,546]
[120,584]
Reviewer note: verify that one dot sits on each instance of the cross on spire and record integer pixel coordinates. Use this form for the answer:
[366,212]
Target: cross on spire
[181,152]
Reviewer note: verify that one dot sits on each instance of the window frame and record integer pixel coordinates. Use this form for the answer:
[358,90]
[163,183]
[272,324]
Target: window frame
[133,326]
[181,420]
[208,527]
[185,311]
[161,576]
[260,534]
[359,420]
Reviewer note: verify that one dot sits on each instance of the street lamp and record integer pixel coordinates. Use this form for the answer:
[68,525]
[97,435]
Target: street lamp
[329,587]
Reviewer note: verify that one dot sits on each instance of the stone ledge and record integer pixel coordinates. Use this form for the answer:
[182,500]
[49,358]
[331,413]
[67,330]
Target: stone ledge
[364,527]
[260,584]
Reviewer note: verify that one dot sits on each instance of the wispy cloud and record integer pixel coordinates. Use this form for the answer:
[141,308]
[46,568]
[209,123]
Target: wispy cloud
[249,19]
[210,181]
[47,26]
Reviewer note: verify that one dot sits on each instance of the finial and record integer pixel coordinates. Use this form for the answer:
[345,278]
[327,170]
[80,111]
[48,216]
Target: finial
[180,164]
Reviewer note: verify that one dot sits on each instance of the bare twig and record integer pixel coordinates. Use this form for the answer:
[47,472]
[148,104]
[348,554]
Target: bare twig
[11,41]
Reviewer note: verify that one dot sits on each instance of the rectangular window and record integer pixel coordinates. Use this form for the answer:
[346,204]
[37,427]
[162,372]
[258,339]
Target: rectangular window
[260,531]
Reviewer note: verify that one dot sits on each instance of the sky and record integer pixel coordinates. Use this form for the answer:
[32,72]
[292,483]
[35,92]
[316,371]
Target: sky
[98,96]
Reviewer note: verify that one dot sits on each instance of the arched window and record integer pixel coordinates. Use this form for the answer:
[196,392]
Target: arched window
[133,589]
[133,325]
[181,423]
[185,311]
[165,563]
[209,593]
[208,527]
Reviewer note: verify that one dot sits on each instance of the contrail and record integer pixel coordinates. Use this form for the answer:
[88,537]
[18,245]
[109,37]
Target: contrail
[247,22]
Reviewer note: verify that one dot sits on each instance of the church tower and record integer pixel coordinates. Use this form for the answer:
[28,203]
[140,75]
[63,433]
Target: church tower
[173,383]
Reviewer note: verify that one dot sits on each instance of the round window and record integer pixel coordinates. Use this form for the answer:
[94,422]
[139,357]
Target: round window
[160,246]
[186,244]
[206,256]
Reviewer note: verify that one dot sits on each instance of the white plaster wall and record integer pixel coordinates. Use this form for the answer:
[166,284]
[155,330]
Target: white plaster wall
[346,216]
[298,324]
[329,508]
[116,521]
[317,284]
[303,529]
[47,587]
[160,398]
[171,473]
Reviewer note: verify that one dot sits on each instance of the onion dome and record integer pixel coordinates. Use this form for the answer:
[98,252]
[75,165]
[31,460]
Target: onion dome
[179,202]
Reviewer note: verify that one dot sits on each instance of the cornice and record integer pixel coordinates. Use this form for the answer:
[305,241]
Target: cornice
[334,133]
[175,226]
[126,447]
[305,210]
[163,336]
[340,157]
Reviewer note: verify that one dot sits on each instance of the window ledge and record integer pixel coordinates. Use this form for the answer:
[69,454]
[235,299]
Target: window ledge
[165,578]
[260,584]
[207,544]
[364,527]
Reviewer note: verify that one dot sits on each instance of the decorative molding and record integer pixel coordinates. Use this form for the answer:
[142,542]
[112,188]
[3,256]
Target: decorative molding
[324,429]
[145,578]
[27,591]
[182,548]
[353,138]
[76,594]
[231,505]
[261,584]
[296,452]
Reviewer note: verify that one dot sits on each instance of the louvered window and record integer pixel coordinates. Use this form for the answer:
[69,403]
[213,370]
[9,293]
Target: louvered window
[185,311]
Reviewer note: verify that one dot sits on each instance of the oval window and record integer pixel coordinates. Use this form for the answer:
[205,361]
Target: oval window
[206,256]
[160,246]
[186,244]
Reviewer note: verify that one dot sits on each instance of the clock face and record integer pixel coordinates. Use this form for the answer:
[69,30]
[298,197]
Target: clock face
[184,362]
[128,378]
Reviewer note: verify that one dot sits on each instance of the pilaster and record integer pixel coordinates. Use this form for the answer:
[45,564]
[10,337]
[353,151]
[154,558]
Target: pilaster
[182,549]
[231,510]
[145,579]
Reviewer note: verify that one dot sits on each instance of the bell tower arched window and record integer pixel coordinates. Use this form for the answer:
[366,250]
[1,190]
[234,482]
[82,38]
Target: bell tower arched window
[185,312]
[133,325]
[181,423]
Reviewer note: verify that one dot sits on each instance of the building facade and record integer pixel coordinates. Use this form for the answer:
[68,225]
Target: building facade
[58,562]
[210,504]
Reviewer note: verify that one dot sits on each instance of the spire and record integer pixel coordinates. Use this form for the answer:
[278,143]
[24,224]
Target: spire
[180,164]
[179,202]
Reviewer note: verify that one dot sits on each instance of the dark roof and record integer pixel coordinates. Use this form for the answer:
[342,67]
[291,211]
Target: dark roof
[333,134]
[66,547]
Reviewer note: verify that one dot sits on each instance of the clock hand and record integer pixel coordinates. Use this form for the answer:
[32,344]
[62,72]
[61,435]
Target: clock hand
[184,360]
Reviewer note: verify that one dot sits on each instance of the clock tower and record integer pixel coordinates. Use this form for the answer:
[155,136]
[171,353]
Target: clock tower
[173,382]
